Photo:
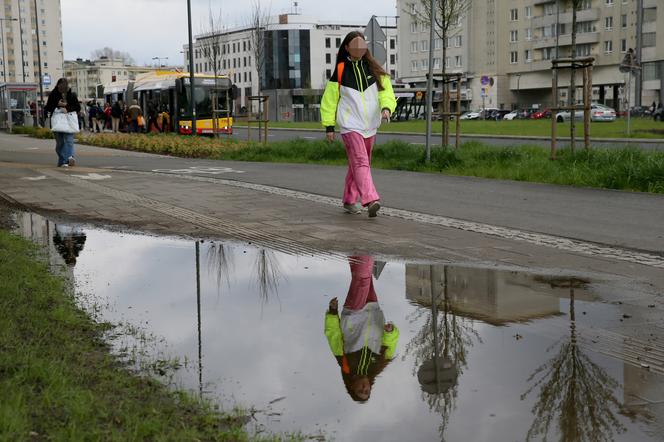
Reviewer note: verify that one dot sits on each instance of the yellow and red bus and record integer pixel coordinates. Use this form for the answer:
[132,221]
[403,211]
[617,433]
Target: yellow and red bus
[170,91]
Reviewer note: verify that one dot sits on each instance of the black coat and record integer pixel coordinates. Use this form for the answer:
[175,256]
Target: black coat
[54,97]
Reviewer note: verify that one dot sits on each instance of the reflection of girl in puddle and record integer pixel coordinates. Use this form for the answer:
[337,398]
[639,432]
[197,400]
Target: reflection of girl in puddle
[68,241]
[361,341]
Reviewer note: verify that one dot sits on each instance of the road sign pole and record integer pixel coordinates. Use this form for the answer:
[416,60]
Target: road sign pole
[429,100]
[629,91]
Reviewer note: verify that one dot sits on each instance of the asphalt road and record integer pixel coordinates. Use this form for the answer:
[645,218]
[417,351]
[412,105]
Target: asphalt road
[623,219]
[279,134]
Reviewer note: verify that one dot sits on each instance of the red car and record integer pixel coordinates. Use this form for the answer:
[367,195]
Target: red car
[544,113]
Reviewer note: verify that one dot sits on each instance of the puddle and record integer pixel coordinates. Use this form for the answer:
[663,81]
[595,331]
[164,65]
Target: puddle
[482,354]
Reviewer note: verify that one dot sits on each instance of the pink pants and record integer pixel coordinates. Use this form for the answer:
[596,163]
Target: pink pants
[361,290]
[359,184]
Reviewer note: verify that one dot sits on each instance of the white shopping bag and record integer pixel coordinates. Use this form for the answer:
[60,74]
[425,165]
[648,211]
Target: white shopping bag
[65,122]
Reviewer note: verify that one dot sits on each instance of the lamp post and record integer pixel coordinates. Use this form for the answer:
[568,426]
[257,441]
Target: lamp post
[20,31]
[41,78]
[192,103]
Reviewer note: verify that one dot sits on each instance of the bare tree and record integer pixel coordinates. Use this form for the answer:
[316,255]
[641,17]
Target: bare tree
[447,18]
[211,44]
[113,55]
[258,22]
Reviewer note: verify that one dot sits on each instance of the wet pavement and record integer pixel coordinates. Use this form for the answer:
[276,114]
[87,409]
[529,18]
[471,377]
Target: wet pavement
[484,353]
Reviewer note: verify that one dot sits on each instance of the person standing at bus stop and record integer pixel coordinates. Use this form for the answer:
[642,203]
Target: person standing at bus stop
[357,98]
[133,113]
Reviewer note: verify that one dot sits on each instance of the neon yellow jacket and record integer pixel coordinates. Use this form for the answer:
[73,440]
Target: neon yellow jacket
[356,104]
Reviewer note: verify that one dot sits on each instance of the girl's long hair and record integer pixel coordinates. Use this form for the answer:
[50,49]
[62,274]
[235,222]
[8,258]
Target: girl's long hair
[376,70]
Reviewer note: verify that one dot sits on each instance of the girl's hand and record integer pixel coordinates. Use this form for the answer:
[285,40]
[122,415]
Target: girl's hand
[330,138]
[385,115]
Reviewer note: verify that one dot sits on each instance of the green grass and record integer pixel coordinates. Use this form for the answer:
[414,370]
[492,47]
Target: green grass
[640,128]
[59,381]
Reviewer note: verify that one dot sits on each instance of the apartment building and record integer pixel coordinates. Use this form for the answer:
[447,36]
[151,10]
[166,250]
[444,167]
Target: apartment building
[92,79]
[300,55]
[508,46]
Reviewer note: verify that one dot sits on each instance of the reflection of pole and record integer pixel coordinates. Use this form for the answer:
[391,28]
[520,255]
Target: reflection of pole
[198,310]
[434,327]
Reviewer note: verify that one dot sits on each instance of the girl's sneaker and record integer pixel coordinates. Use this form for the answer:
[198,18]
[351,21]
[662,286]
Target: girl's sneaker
[71,162]
[373,208]
[353,209]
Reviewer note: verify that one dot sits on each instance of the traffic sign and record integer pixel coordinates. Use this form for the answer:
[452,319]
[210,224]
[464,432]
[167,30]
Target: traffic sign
[46,80]
[484,80]
[376,39]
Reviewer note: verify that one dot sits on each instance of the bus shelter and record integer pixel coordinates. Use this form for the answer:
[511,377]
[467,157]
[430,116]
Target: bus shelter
[15,101]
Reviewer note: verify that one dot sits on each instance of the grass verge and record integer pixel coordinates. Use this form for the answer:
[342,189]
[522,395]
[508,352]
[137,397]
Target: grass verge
[622,169]
[59,381]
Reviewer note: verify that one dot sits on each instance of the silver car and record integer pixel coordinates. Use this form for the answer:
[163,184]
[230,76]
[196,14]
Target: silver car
[598,112]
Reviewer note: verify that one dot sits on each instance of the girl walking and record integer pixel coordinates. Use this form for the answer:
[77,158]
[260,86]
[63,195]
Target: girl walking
[65,100]
[357,98]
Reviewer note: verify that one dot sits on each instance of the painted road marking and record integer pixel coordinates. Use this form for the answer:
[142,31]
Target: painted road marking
[203,170]
[93,177]
[34,178]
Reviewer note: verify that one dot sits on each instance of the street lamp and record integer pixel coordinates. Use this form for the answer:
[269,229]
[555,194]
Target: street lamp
[41,78]
[192,101]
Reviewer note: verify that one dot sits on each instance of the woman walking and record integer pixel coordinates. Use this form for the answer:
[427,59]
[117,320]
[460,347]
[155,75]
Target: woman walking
[64,99]
[357,98]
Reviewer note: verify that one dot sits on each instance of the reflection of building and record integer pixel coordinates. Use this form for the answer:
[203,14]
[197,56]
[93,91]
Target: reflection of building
[300,56]
[494,296]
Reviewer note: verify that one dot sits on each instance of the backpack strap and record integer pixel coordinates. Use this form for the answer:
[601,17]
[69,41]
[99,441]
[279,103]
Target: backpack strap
[340,73]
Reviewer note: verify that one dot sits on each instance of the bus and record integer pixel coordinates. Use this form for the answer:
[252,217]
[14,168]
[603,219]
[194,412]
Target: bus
[170,91]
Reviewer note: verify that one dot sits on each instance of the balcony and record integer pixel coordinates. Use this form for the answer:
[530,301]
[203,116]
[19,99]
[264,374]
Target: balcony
[591,14]
[566,40]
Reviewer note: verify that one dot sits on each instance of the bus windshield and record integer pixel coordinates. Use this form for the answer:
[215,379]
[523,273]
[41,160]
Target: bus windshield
[203,88]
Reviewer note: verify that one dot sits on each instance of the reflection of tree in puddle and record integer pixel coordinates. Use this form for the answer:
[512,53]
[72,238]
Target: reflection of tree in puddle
[576,393]
[440,349]
[268,274]
[220,261]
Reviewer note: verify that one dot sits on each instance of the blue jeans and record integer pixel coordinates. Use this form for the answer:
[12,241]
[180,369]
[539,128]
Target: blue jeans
[64,146]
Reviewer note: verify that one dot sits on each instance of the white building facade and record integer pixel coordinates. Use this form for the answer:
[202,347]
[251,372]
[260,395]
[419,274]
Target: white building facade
[300,56]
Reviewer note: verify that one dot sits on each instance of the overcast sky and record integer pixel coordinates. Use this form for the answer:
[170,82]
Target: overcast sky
[158,28]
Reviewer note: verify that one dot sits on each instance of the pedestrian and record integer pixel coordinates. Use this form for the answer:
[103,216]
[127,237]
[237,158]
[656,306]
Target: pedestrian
[62,97]
[107,116]
[360,340]
[357,98]
[101,118]
[116,114]
[82,116]
[133,113]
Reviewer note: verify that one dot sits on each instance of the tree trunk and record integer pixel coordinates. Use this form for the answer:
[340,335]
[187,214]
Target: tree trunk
[443,107]
[572,82]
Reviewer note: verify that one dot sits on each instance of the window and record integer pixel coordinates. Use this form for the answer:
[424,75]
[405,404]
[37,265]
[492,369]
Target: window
[608,46]
[328,73]
[623,45]
[413,65]
[393,59]
[438,43]
[529,12]
[649,14]
[549,9]
[327,42]
[425,64]
[649,39]
[609,2]
[393,43]
[529,34]
[528,55]
[457,61]
[514,57]
[608,23]
[623,21]
[514,36]
[337,42]
[436,63]
[447,62]
[583,50]
[328,58]
[413,47]
[413,28]
[457,41]
[514,14]
[424,45]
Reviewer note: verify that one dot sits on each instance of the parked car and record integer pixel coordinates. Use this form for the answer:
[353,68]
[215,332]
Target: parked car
[540,114]
[598,112]
[496,114]
[658,115]
[511,115]
[524,114]
[470,115]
